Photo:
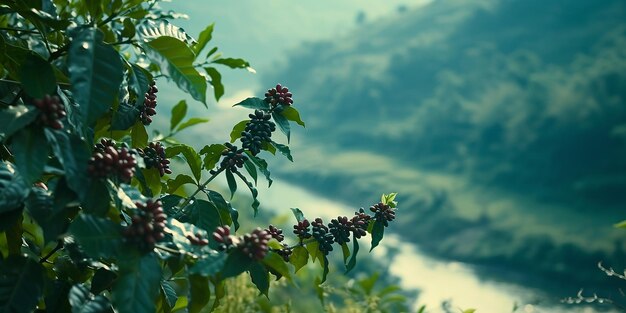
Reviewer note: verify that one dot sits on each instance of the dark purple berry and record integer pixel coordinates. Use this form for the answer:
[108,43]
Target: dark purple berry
[148,225]
[154,157]
[322,236]
[223,238]
[109,161]
[254,244]
[234,158]
[276,233]
[149,104]
[340,229]
[302,229]
[383,212]
[258,131]
[51,110]
[279,96]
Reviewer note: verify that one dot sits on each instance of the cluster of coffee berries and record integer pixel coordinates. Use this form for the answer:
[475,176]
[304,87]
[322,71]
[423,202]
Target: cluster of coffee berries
[285,252]
[275,232]
[149,104]
[224,239]
[255,244]
[109,161]
[278,96]
[258,130]
[52,111]
[340,228]
[148,225]
[197,240]
[154,157]
[383,212]
[359,223]
[322,235]
[233,158]
[302,229]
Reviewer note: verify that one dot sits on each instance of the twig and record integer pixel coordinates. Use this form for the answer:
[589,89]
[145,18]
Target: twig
[29,31]
[200,188]
[58,247]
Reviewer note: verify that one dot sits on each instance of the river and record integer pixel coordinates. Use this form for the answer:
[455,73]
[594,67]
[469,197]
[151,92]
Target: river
[437,280]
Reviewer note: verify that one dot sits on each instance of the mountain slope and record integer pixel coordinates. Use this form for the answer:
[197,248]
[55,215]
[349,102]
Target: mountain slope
[502,124]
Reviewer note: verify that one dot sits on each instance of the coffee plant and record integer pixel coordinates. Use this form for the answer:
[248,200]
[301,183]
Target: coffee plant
[92,216]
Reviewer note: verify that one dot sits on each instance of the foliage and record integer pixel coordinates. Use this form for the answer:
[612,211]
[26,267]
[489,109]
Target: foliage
[93,217]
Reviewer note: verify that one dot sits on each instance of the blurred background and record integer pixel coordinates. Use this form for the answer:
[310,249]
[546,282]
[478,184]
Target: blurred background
[500,123]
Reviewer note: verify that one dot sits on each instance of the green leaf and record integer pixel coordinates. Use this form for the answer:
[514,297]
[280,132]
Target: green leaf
[236,263]
[71,151]
[41,207]
[209,265]
[203,39]
[102,280]
[21,284]
[170,295]
[170,201]
[96,199]
[277,263]
[82,301]
[216,82]
[37,76]
[283,149]
[469,311]
[254,103]
[368,283]
[199,293]
[129,29]
[205,215]
[237,130]
[152,179]
[260,278]
[324,263]
[298,214]
[283,124]
[232,62]
[125,117]
[139,81]
[162,28]
[299,257]
[30,150]
[261,165]
[181,179]
[13,190]
[191,156]
[14,118]
[355,251]
[346,253]
[95,74]
[213,154]
[175,59]
[290,113]
[224,208]
[178,113]
[232,184]
[139,135]
[98,237]
[190,122]
[138,285]
[251,169]
[377,233]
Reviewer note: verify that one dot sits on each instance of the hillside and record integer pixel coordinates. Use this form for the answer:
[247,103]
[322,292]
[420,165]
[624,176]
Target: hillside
[501,123]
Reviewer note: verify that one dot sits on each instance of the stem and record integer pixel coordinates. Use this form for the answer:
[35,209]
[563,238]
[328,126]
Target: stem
[200,188]
[60,52]
[58,247]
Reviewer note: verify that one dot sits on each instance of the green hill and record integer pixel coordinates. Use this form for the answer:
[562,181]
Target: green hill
[501,123]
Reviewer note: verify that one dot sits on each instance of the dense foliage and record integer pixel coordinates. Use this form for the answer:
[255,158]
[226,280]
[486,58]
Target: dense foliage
[92,216]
